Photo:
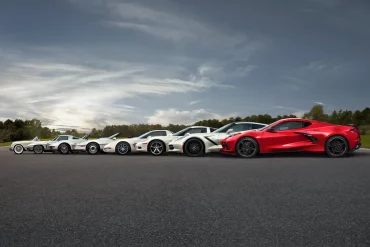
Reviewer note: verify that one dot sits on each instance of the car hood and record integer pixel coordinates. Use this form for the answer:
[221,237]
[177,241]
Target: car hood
[20,142]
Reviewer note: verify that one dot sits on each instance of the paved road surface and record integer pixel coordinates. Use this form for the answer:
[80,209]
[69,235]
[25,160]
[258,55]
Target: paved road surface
[140,200]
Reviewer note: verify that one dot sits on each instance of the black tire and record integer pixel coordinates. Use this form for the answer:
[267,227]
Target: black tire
[64,148]
[194,148]
[336,146]
[246,147]
[156,147]
[123,148]
[93,148]
[18,149]
[38,149]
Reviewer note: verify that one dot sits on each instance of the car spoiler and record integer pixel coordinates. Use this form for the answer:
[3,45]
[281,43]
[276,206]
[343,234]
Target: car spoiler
[111,137]
[353,125]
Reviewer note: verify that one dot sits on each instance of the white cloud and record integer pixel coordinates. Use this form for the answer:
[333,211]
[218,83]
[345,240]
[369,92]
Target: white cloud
[318,103]
[65,94]
[175,116]
[284,110]
[195,102]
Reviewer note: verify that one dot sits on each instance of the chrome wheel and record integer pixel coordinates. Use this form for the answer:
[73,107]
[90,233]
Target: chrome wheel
[18,149]
[38,149]
[246,147]
[122,148]
[156,147]
[336,146]
[93,148]
[64,148]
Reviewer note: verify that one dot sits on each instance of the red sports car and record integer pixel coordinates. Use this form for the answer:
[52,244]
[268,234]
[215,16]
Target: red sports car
[292,135]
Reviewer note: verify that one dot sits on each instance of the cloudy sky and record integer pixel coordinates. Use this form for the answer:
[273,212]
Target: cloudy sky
[88,63]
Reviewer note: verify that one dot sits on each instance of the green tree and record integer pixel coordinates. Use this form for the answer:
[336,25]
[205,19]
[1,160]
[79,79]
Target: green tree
[317,113]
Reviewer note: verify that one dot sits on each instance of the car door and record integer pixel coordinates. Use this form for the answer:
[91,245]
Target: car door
[286,136]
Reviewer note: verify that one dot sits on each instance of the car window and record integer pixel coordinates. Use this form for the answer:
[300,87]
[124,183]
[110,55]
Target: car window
[290,125]
[158,133]
[242,127]
[258,126]
[196,130]
[213,129]
[63,138]
[75,138]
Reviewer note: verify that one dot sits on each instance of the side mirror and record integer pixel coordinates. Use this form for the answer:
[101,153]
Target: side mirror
[149,137]
[271,130]
[187,134]
[229,131]
[114,138]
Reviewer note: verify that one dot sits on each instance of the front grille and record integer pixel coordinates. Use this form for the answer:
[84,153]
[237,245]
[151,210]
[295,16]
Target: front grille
[171,147]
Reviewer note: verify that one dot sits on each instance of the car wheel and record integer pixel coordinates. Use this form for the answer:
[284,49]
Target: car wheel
[194,148]
[93,148]
[18,149]
[123,148]
[64,148]
[336,146]
[246,147]
[38,149]
[156,147]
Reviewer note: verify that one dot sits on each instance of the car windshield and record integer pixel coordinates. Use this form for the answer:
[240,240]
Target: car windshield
[181,132]
[54,139]
[145,135]
[223,128]
[268,126]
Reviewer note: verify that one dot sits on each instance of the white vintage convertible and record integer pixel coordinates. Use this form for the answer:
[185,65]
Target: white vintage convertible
[19,147]
[39,147]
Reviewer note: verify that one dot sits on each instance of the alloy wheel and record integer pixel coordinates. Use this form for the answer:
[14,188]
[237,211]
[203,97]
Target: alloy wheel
[337,147]
[38,149]
[156,148]
[122,148]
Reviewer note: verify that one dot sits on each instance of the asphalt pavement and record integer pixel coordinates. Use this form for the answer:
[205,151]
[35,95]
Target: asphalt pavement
[173,200]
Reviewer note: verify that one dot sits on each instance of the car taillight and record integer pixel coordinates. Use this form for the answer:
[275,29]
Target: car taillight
[355,130]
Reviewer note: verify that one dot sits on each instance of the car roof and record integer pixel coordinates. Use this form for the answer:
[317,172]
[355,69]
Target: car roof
[248,123]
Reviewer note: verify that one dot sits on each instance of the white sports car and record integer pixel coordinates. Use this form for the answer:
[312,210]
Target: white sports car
[44,146]
[126,146]
[95,146]
[159,144]
[198,144]
[19,147]
[67,144]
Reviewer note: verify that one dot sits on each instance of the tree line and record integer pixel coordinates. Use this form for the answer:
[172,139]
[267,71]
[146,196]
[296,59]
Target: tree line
[24,130]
